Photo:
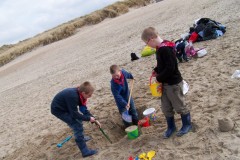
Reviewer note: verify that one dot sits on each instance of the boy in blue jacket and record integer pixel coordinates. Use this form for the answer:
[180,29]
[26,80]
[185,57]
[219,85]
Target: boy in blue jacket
[65,107]
[120,91]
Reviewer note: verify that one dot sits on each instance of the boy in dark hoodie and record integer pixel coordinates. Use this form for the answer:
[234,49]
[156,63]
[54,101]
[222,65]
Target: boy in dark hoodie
[65,107]
[120,91]
[168,74]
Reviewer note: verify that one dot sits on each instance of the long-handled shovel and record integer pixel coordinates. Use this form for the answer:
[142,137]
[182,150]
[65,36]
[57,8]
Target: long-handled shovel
[129,98]
[125,115]
[105,135]
[99,126]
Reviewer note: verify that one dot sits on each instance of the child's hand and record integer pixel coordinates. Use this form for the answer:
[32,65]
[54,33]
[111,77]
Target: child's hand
[92,119]
[127,107]
[98,123]
[154,74]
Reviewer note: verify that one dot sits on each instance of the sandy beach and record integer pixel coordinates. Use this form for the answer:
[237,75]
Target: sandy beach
[28,84]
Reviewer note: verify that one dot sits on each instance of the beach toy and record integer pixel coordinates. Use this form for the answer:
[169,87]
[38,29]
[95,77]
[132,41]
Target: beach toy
[155,88]
[151,154]
[59,145]
[144,122]
[151,113]
[130,158]
[143,156]
[132,132]
[127,117]
[148,51]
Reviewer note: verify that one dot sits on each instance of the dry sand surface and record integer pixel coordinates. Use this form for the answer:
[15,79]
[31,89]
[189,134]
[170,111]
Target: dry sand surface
[27,85]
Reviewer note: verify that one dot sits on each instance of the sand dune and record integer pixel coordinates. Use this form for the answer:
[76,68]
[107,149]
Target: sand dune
[28,84]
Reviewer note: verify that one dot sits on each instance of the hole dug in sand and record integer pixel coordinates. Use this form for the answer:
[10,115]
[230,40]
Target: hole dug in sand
[225,124]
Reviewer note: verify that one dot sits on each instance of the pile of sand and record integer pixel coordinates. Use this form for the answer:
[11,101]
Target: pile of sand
[28,84]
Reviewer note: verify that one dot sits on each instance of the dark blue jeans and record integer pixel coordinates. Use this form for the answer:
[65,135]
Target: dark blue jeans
[73,124]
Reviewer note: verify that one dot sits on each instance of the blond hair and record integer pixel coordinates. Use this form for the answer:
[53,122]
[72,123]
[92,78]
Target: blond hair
[149,33]
[114,68]
[86,87]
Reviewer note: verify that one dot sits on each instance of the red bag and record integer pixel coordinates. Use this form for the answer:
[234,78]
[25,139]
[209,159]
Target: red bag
[193,38]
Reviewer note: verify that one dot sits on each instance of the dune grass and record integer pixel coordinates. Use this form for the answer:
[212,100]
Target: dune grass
[10,52]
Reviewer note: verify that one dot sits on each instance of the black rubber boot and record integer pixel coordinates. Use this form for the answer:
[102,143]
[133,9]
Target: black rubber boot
[171,127]
[186,124]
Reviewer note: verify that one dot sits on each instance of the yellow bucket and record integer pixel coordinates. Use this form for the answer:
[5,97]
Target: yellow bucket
[155,88]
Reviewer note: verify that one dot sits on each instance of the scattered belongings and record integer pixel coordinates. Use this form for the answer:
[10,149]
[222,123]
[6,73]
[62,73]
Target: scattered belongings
[134,57]
[148,51]
[130,158]
[180,47]
[148,156]
[143,156]
[201,52]
[225,124]
[205,29]
[151,154]
[236,74]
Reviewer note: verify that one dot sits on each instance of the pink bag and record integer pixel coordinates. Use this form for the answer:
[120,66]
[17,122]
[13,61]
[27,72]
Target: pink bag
[190,51]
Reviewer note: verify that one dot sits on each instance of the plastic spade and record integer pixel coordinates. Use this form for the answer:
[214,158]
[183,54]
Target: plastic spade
[151,154]
[143,156]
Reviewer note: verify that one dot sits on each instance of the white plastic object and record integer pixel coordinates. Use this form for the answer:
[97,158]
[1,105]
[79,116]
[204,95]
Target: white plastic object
[185,87]
[202,52]
[236,74]
[149,111]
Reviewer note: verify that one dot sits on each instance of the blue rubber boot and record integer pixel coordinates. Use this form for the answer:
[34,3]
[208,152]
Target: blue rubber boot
[186,124]
[171,127]
[83,147]
[88,152]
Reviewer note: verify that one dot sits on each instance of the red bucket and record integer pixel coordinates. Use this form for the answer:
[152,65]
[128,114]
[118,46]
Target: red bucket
[144,122]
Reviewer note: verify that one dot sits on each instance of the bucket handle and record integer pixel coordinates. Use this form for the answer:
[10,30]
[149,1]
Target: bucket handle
[150,80]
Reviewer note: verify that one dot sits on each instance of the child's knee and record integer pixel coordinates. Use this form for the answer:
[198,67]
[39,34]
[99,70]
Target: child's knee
[182,110]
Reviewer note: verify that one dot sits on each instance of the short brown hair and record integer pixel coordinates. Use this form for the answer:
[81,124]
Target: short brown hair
[86,87]
[149,33]
[114,68]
